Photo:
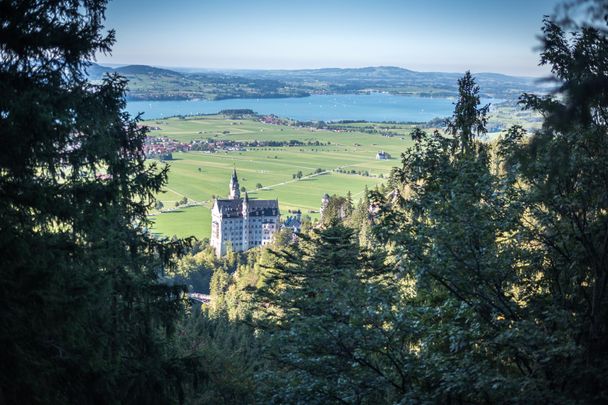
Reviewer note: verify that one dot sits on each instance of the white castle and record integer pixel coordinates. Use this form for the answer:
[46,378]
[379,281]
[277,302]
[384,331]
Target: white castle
[242,222]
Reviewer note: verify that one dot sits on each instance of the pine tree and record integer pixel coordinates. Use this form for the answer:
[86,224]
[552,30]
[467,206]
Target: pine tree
[469,120]
[84,317]
[510,280]
[563,170]
[322,312]
[349,203]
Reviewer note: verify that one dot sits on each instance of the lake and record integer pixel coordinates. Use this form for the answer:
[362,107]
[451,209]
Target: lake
[333,107]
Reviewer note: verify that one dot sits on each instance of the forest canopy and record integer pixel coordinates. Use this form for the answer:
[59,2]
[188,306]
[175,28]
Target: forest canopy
[477,273]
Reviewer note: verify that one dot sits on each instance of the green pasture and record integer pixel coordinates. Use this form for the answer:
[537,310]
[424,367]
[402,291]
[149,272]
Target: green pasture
[201,176]
[184,222]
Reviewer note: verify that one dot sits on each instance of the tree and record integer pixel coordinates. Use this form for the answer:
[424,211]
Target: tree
[282,237]
[322,324]
[83,313]
[228,354]
[159,205]
[349,203]
[508,261]
[306,224]
[562,168]
[444,220]
[258,185]
[360,220]
[337,209]
[469,120]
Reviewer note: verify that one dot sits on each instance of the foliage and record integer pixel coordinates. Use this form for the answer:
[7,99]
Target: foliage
[337,209]
[225,356]
[469,119]
[515,253]
[492,286]
[326,323]
[83,313]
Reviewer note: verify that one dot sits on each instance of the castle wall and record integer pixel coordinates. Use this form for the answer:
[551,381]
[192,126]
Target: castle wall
[242,233]
[241,222]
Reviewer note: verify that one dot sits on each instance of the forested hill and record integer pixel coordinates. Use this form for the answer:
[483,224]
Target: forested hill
[397,80]
[151,83]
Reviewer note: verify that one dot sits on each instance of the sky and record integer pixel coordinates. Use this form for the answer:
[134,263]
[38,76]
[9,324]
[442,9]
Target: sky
[423,35]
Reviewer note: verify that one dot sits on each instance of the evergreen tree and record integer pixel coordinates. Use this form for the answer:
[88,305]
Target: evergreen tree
[509,262]
[348,210]
[562,169]
[335,211]
[469,120]
[84,317]
[328,324]
[442,228]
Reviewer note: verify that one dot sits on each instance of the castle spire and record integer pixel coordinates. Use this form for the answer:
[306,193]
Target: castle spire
[235,193]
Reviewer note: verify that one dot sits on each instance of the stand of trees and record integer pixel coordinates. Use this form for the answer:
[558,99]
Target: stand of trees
[483,278]
[84,317]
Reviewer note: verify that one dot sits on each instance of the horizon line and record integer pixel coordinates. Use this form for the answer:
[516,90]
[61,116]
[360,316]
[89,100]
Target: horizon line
[116,65]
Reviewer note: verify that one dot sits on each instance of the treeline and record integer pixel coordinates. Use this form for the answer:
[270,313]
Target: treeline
[383,130]
[149,83]
[211,144]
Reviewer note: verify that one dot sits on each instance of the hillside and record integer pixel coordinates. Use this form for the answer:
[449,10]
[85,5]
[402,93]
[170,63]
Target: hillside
[151,83]
[396,80]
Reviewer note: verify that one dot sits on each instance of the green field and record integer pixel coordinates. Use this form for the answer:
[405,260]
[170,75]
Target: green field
[272,167]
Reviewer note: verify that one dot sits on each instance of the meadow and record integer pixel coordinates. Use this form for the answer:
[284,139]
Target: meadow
[201,176]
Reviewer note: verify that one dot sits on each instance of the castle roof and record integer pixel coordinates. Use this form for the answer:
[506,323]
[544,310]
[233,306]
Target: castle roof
[255,208]
[292,222]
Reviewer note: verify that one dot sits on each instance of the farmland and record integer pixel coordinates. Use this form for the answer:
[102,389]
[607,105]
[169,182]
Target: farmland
[347,159]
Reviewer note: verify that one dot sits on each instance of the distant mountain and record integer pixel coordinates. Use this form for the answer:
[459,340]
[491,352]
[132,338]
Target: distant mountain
[146,70]
[397,81]
[96,71]
[152,83]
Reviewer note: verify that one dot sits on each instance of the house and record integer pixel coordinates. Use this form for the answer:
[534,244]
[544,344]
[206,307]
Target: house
[382,155]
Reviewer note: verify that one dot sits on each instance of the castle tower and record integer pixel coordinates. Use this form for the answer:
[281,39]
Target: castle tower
[324,203]
[235,193]
[245,212]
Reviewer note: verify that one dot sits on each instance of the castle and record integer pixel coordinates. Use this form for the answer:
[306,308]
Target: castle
[242,222]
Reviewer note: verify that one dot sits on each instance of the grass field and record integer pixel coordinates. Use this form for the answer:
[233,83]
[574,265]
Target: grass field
[272,167]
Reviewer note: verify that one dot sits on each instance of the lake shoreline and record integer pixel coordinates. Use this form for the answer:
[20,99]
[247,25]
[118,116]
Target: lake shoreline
[372,107]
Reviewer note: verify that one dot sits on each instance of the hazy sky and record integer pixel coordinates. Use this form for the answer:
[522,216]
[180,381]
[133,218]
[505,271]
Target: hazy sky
[425,35]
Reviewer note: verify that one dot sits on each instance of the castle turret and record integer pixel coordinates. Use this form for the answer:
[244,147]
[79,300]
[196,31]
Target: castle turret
[324,203]
[245,212]
[235,193]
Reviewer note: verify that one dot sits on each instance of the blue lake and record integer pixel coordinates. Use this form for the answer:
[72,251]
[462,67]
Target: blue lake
[334,107]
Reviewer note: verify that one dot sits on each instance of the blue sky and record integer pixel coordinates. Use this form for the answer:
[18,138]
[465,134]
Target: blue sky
[429,35]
